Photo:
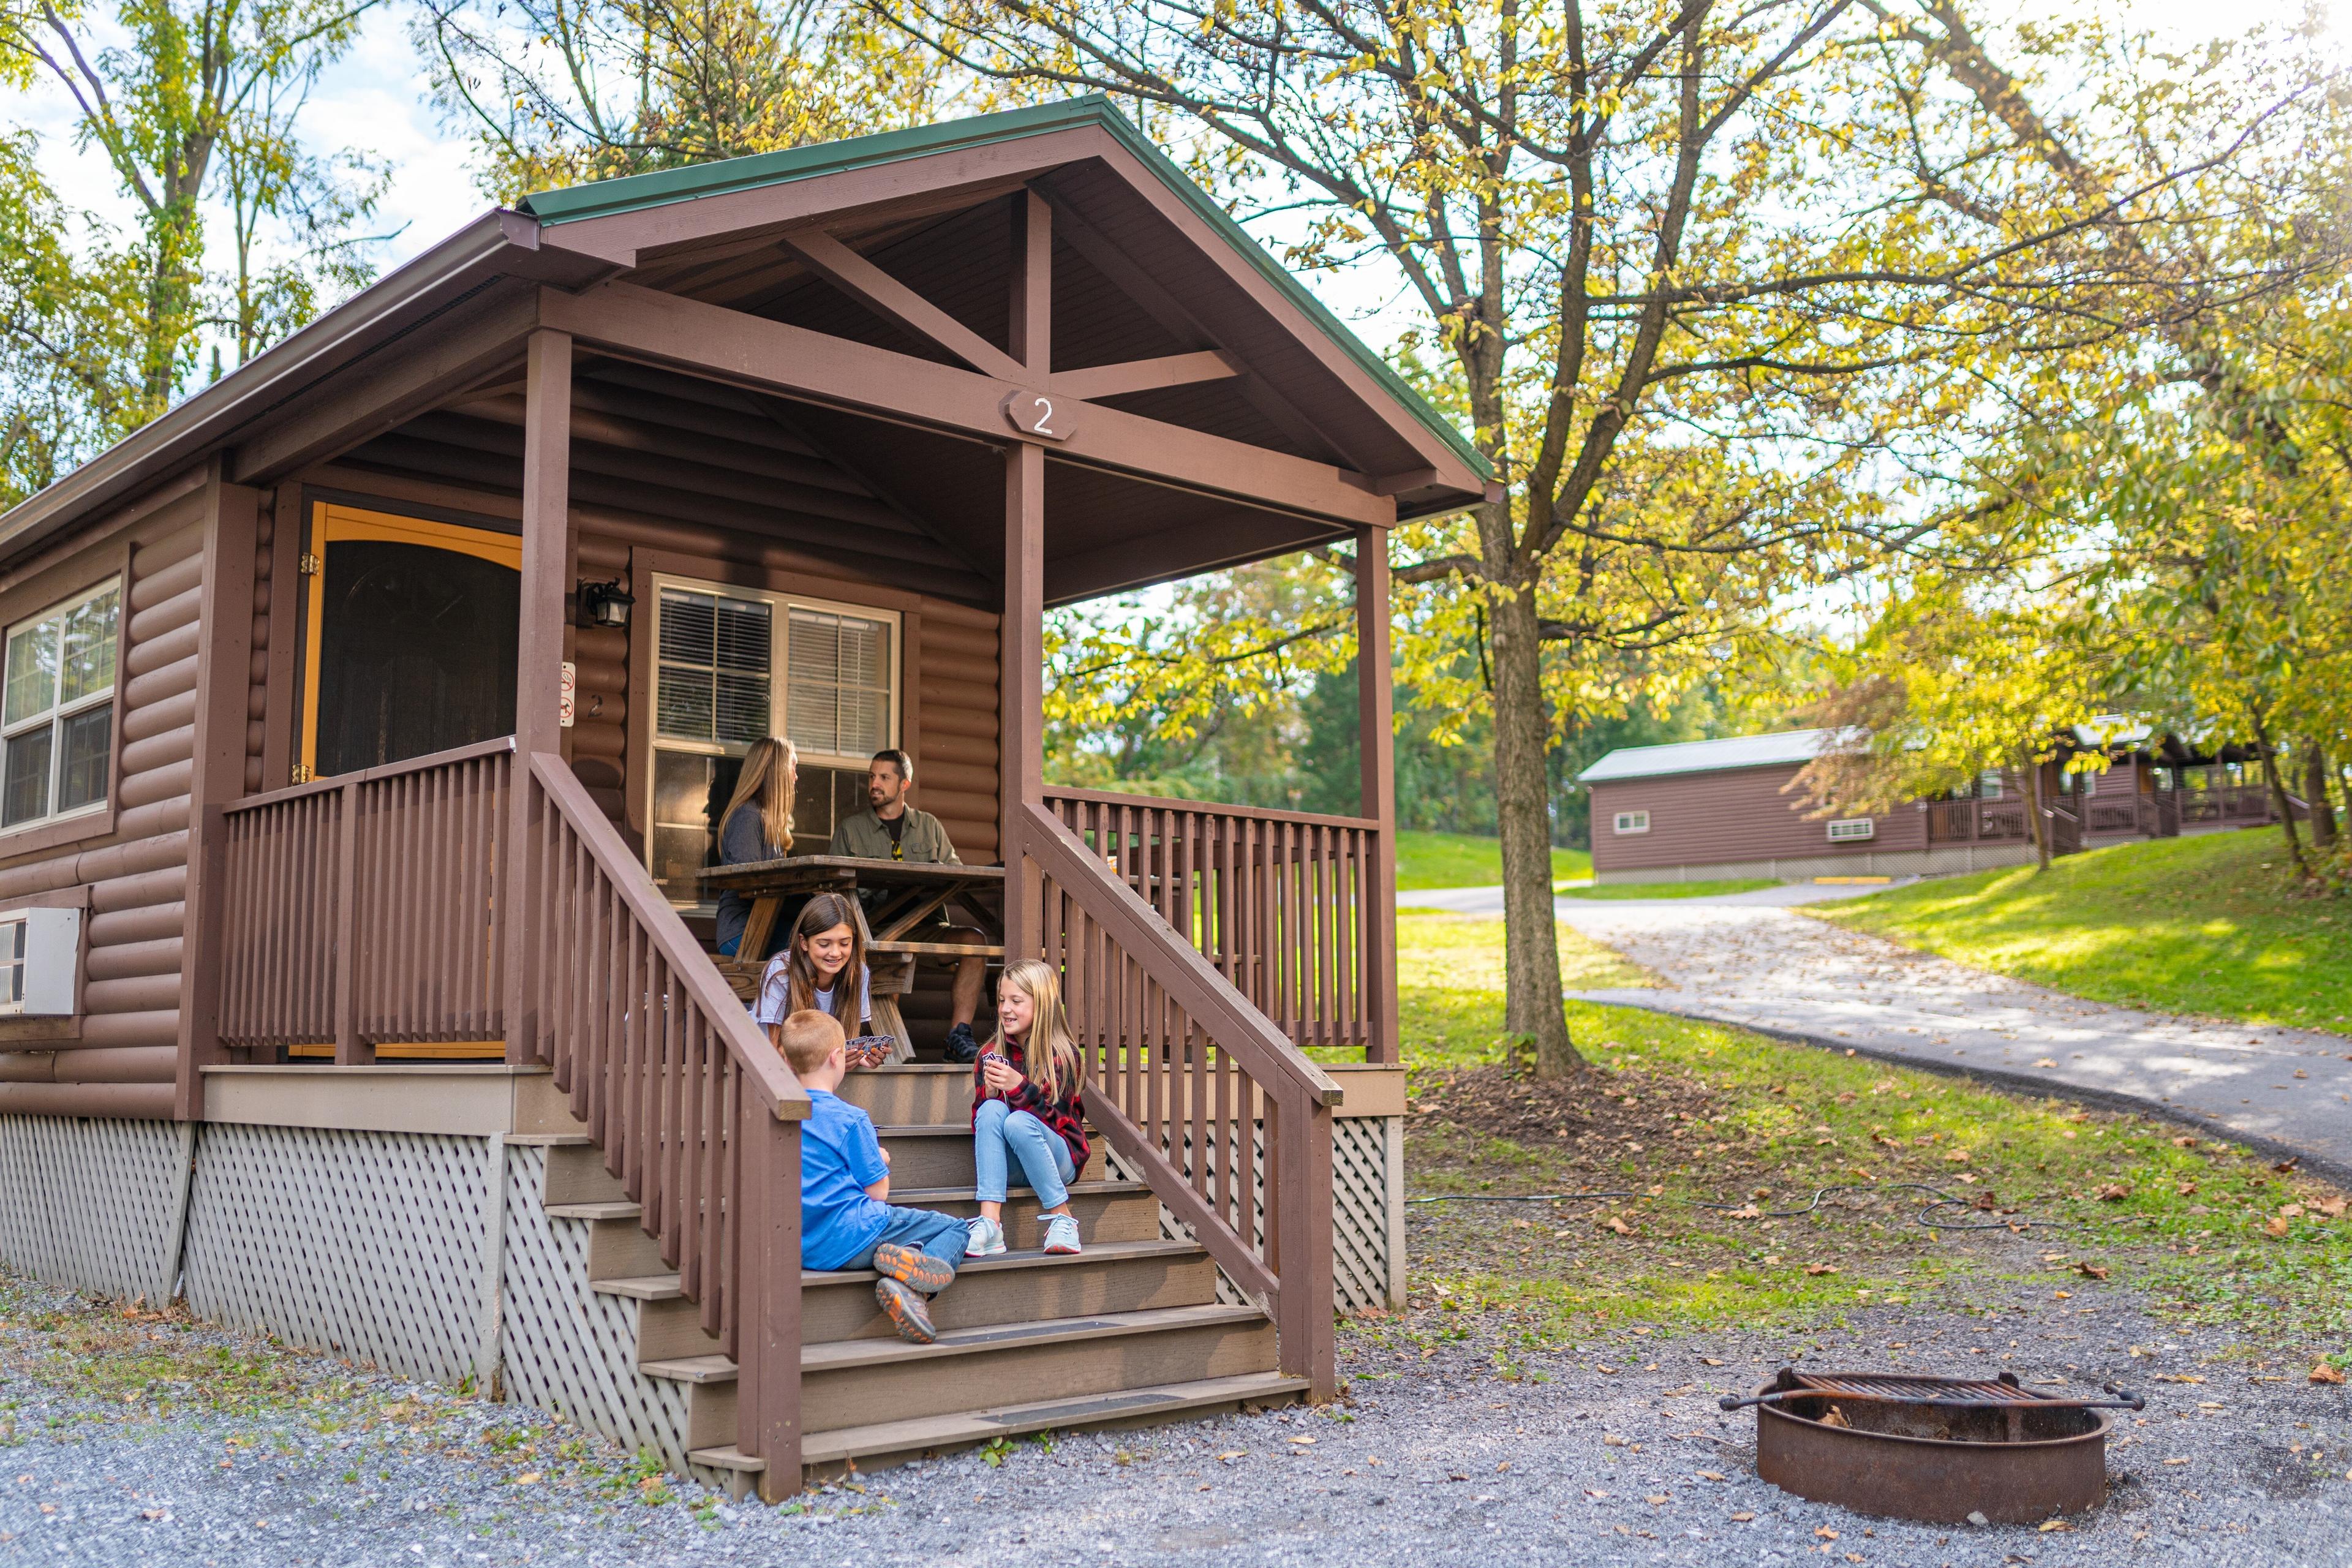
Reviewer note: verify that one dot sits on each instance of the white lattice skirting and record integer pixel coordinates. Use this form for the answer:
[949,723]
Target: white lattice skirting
[375,1246]
[1367,1209]
[92,1204]
[573,1349]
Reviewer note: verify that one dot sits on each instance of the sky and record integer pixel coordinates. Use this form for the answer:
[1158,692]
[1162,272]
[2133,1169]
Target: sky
[375,100]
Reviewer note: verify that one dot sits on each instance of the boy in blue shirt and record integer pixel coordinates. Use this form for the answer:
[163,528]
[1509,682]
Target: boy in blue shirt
[846,1219]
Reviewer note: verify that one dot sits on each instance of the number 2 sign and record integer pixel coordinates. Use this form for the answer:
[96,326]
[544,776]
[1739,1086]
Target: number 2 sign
[1035,414]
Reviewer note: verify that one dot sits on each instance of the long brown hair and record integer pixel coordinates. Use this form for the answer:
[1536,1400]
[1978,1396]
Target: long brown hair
[1055,1067]
[823,913]
[770,768]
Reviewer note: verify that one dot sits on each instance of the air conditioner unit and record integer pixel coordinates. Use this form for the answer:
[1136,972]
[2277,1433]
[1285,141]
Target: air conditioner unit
[1848,829]
[40,956]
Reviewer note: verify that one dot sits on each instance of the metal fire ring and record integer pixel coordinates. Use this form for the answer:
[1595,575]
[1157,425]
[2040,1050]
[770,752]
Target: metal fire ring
[1933,1448]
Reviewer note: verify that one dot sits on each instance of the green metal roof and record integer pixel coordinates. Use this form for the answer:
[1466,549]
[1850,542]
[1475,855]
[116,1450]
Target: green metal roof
[631,192]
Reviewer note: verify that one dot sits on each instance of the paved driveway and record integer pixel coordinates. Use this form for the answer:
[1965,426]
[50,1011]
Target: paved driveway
[1754,959]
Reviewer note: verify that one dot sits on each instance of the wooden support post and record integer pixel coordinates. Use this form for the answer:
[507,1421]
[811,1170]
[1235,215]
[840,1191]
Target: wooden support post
[223,679]
[538,661]
[1023,655]
[1375,748]
[768,1324]
[349,1049]
[1298,1138]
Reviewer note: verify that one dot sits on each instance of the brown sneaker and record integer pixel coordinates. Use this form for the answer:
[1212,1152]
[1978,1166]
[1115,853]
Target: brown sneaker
[909,1267]
[908,1313]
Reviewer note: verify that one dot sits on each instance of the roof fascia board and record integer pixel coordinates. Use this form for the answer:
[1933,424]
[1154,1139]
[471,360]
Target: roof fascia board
[183,433]
[1692,772]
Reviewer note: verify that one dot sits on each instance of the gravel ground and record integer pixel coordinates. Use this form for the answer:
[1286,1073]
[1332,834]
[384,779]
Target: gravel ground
[1609,1452]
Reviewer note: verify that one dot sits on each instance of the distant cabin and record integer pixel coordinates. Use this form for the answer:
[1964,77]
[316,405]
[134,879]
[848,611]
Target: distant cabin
[1704,810]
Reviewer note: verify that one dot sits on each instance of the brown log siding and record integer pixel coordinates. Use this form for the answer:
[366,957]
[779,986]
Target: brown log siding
[1718,818]
[125,1061]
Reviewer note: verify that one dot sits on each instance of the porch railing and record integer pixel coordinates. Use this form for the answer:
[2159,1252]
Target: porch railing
[1975,821]
[1221,1113]
[364,909]
[1278,901]
[696,1113]
[2227,802]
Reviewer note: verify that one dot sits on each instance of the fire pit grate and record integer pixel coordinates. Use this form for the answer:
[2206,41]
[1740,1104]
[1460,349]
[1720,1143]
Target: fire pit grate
[1936,1448]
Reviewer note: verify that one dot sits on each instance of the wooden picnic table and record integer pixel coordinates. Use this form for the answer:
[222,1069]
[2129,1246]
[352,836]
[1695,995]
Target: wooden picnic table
[914,893]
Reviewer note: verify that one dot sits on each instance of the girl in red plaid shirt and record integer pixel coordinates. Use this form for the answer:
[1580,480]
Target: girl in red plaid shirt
[1026,1124]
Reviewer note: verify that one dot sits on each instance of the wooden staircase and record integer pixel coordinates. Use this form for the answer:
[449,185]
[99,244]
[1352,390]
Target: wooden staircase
[1130,1332]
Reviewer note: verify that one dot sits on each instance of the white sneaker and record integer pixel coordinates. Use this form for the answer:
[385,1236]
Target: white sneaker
[987,1238]
[1061,1233]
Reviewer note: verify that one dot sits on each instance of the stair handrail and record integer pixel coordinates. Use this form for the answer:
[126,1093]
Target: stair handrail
[665,1129]
[1298,1289]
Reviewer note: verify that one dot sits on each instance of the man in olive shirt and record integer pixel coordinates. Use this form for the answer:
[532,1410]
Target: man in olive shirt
[890,830]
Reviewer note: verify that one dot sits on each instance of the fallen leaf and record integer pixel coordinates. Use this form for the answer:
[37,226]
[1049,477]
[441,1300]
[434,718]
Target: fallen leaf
[2184,1142]
[1610,1370]
[1617,1224]
[1501,1467]
[1710,1475]
[2279,1226]
[1958,1156]
[1818,1268]
[1310,1442]
[1826,1533]
[528,1478]
[1835,1417]
[1232,1454]
[1611,1440]
[2062,1295]
[2046,1062]
[1591,1493]
[1710,1361]
[2186,1189]
[2175,1461]
[2113,1193]
[2291,1211]
[2091,1270]
[2323,1373]
[2052,1526]
[1741,1517]
[1654,1499]
[2177,1377]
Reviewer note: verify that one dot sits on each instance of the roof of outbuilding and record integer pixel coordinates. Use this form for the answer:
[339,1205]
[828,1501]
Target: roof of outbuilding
[1708,756]
[630,193]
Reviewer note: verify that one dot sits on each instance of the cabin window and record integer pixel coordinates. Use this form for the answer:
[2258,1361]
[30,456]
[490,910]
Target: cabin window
[56,722]
[1848,829]
[40,952]
[1633,822]
[734,666]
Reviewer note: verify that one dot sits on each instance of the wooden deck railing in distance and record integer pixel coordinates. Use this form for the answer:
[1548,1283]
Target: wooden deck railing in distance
[1975,821]
[1224,1116]
[364,909]
[697,1113]
[1280,902]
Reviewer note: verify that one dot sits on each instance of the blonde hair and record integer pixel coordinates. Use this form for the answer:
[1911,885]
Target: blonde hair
[770,768]
[808,1039]
[1058,1067]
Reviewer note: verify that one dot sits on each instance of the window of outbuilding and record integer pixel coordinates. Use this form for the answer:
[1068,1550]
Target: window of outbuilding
[1633,822]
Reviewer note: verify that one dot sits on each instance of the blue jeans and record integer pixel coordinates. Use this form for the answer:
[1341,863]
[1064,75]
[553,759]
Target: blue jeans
[727,948]
[1043,1158]
[943,1236]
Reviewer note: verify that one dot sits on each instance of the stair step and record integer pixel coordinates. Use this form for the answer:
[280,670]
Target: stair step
[1110,1251]
[553,1140]
[699,1369]
[894,1442]
[842,1355]
[729,1457]
[617,1209]
[913,1093]
[643,1288]
[1019,1287]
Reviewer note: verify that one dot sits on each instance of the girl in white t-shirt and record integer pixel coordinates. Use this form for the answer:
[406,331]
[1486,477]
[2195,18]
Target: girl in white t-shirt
[822,967]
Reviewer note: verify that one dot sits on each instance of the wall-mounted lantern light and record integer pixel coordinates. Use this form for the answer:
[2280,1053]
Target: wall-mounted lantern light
[605,604]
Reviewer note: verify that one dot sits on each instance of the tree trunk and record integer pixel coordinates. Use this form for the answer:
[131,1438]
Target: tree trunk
[2278,800]
[1533,1011]
[2315,790]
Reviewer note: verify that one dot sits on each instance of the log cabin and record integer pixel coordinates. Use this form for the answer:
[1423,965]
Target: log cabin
[364,715]
[1727,809]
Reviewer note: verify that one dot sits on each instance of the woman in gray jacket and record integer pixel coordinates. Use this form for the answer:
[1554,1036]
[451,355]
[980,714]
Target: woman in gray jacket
[756,826]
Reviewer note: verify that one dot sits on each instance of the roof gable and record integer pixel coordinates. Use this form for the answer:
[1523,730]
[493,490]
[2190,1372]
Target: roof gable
[669,187]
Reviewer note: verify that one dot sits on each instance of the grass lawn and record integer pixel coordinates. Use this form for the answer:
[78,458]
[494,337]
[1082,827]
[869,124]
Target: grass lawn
[2206,925]
[1467,860]
[1668,889]
[1677,1114]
